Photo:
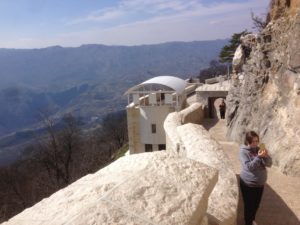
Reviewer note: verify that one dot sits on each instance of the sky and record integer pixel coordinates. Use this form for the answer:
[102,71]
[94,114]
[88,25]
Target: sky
[71,23]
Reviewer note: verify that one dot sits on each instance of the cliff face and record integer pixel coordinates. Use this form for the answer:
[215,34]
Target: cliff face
[267,96]
[281,8]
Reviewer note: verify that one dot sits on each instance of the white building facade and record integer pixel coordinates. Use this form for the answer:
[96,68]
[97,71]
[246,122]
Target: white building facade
[149,103]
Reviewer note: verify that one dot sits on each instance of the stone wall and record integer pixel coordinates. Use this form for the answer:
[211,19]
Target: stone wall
[200,146]
[190,88]
[194,142]
[192,114]
[141,189]
[133,121]
[268,99]
[173,143]
[202,97]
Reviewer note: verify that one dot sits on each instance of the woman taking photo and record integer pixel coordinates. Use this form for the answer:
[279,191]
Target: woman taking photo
[253,176]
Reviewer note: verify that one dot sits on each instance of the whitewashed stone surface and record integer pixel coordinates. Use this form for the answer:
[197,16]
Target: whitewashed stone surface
[238,59]
[172,121]
[148,188]
[192,114]
[200,146]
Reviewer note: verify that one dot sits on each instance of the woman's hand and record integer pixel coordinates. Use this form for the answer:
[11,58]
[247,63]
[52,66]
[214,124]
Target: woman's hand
[263,153]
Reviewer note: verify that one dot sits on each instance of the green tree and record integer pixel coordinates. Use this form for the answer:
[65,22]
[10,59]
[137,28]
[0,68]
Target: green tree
[227,52]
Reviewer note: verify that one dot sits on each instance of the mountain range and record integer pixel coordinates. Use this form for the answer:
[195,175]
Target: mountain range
[88,81]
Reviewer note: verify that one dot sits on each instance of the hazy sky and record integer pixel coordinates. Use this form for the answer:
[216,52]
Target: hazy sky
[42,23]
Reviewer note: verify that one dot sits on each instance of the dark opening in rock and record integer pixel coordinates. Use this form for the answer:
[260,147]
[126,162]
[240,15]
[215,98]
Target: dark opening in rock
[288,3]
[268,38]
[247,51]
[268,63]
[266,79]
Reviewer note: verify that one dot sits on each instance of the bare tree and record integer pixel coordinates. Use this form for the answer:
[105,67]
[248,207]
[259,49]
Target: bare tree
[61,155]
[113,132]
[69,139]
[114,127]
[57,151]
[14,182]
[259,23]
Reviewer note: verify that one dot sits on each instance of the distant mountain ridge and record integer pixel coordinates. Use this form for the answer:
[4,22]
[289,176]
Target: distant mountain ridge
[88,81]
[43,67]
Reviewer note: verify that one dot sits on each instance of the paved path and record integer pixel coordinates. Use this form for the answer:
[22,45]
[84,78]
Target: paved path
[281,200]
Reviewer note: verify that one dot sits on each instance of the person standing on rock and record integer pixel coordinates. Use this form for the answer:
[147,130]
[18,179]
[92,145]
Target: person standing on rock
[222,109]
[253,176]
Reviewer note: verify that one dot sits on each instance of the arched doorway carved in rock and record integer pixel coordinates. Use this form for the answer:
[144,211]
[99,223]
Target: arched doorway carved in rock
[213,107]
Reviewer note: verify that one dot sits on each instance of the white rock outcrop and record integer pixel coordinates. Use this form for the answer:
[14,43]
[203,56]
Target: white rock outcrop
[238,59]
[149,188]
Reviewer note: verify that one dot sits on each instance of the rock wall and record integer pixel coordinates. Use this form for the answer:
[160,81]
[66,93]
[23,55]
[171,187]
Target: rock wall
[280,8]
[268,99]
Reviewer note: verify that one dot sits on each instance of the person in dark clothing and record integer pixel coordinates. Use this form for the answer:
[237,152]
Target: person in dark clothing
[253,176]
[222,108]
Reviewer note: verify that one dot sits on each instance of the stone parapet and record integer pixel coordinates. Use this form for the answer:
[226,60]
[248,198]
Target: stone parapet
[194,142]
[149,188]
[173,144]
[200,146]
[192,114]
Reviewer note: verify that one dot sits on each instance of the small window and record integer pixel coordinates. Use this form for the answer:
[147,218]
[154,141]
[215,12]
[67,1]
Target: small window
[153,128]
[161,147]
[148,148]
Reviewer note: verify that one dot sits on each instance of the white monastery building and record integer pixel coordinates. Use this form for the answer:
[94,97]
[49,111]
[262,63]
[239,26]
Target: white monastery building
[149,103]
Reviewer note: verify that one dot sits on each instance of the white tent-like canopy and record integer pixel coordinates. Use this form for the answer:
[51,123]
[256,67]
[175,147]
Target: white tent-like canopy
[172,83]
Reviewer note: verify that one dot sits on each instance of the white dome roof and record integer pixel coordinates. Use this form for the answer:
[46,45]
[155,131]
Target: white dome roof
[175,83]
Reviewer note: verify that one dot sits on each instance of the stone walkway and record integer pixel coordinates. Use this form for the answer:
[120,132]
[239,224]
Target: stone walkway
[281,200]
